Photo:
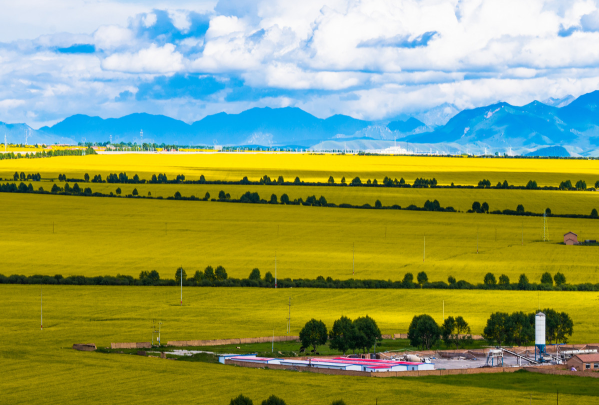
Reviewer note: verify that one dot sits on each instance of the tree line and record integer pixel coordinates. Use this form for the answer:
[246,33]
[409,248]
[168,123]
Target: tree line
[516,329]
[46,154]
[484,208]
[218,277]
[360,334]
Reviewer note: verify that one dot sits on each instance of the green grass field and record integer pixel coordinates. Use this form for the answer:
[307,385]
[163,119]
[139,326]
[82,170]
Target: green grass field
[105,236]
[39,366]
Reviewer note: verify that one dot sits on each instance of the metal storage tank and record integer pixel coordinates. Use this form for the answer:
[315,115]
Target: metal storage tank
[540,329]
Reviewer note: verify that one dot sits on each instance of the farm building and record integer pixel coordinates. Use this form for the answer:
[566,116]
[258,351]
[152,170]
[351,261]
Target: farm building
[338,363]
[584,362]
[571,238]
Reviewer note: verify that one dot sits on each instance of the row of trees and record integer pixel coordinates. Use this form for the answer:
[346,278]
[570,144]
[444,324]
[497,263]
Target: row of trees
[523,282]
[25,177]
[219,278]
[425,333]
[483,208]
[518,328]
[50,153]
[532,185]
[361,333]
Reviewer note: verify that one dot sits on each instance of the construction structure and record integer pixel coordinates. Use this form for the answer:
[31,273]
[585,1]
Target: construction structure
[582,362]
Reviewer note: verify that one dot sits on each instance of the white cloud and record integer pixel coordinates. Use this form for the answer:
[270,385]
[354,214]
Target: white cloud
[11,103]
[154,59]
[149,19]
[481,51]
[112,36]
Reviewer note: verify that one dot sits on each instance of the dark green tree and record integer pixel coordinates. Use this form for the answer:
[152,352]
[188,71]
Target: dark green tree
[76,188]
[451,280]
[340,337]
[269,278]
[255,275]
[209,274]
[565,328]
[423,332]
[523,282]
[338,402]
[198,276]
[408,279]
[368,331]
[520,209]
[273,400]
[520,328]
[559,278]
[490,279]
[378,204]
[280,180]
[546,278]
[220,273]
[356,181]
[273,199]
[297,181]
[422,278]
[177,195]
[313,334]
[207,196]
[221,195]
[485,207]
[455,331]
[180,271]
[476,206]
[135,192]
[284,199]
[86,178]
[496,329]
[118,191]
[343,180]
[594,213]
[331,180]
[241,400]
[504,280]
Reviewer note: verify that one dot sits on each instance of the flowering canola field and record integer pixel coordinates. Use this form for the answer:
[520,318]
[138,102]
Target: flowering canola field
[92,236]
[313,167]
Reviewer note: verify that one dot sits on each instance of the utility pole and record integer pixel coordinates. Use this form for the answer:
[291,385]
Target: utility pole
[42,308]
[275,269]
[289,318]
[181,285]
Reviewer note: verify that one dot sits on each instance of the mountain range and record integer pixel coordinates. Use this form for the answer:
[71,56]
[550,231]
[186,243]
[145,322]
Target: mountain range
[569,123]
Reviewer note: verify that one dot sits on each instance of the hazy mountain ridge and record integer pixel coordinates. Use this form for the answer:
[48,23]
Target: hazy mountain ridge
[497,127]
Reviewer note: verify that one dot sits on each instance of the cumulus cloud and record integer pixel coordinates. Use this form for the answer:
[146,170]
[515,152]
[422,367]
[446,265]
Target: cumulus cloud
[371,59]
[154,59]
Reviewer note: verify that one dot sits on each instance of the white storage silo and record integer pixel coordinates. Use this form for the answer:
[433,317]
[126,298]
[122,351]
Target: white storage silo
[540,329]
[540,335]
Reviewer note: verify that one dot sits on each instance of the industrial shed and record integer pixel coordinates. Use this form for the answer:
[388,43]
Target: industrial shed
[584,362]
[571,238]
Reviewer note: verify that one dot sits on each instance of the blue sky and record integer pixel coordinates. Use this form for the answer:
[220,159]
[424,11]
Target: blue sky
[369,59]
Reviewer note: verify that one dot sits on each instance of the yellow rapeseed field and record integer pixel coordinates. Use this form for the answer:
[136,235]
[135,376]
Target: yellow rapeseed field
[94,236]
[313,167]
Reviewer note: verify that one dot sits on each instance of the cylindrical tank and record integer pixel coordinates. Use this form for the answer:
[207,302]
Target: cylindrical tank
[540,329]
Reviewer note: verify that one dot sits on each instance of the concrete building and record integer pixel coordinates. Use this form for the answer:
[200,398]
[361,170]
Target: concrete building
[571,238]
[584,362]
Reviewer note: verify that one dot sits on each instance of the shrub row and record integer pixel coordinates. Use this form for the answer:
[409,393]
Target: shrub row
[219,278]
